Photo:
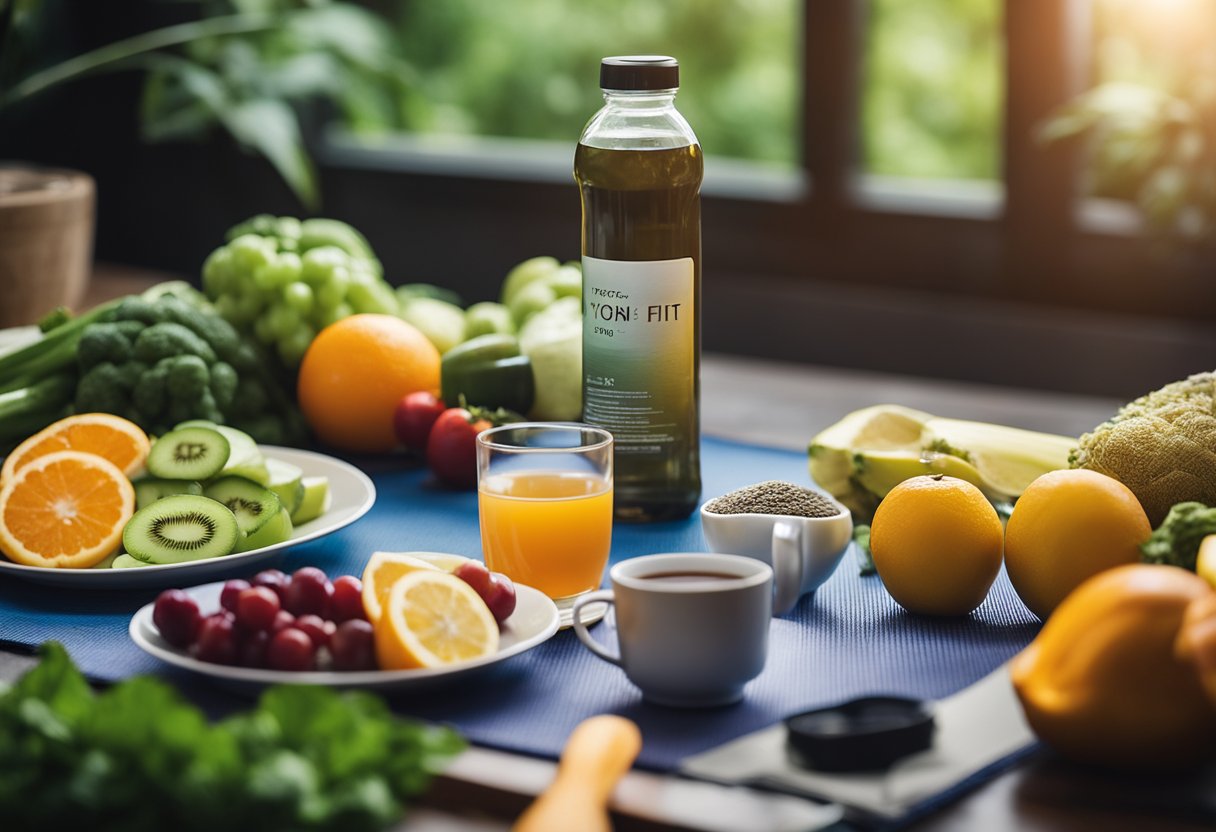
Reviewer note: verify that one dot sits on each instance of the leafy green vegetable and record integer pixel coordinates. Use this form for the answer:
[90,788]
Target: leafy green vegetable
[1176,541]
[137,757]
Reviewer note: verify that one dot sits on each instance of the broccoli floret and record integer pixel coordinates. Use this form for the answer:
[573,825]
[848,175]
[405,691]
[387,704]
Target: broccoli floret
[188,378]
[223,385]
[213,329]
[135,308]
[168,340]
[206,408]
[246,358]
[110,342]
[130,372]
[101,389]
[1176,541]
[150,393]
[1162,446]
[250,398]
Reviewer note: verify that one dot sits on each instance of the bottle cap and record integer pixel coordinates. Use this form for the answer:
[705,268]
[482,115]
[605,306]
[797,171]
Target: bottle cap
[639,72]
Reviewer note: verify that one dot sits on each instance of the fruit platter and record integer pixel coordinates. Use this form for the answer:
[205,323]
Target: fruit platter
[303,629]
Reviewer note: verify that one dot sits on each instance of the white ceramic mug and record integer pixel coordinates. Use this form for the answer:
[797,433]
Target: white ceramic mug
[687,639]
[803,551]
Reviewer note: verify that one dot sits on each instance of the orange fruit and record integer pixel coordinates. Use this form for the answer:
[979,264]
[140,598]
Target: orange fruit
[433,619]
[64,509]
[381,572]
[1068,526]
[354,374]
[936,542]
[1102,682]
[122,442]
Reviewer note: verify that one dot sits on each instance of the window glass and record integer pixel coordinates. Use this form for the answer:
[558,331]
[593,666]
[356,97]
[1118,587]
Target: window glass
[529,68]
[933,91]
[1153,110]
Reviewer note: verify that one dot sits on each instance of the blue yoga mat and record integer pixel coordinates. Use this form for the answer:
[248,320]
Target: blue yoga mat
[848,639]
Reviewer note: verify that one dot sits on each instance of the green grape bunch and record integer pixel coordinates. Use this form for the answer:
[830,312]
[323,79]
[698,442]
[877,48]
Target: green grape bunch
[284,280]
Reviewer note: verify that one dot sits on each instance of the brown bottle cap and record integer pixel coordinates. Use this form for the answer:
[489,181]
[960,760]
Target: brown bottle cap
[639,72]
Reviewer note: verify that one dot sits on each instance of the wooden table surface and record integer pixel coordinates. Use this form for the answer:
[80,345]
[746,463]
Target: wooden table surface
[785,405]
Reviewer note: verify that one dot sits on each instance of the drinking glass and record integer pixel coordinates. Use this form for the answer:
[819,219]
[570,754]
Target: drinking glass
[544,497]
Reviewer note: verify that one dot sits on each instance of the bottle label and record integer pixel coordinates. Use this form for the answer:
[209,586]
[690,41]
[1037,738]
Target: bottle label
[639,350]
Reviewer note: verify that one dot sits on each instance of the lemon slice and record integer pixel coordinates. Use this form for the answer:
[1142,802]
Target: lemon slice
[433,619]
[382,571]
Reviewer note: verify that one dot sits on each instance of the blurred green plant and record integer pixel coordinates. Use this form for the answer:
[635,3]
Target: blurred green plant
[245,67]
[1152,147]
[933,89]
[1150,119]
[529,68]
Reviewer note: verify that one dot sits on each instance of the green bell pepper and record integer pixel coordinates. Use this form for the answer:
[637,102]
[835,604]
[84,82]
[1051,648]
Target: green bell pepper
[488,371]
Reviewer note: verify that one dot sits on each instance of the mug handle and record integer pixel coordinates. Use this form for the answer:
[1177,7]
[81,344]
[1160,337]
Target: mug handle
[580,629]
[787,566]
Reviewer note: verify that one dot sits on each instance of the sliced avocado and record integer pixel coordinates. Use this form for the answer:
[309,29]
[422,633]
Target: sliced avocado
[1007,459]
[880,471]
[883,427]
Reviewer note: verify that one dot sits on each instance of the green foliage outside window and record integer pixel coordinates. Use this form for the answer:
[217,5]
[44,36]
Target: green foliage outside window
[531,69]
[933,88]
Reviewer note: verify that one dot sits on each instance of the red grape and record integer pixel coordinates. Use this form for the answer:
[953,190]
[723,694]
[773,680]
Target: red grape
[347,602]
[316,628]
[256,608]
[217,640]
[501,597]
[228,594]
[282,620]
[252,651]
[290,649]
[273,578]
[177,617]
[475,574]
[494,588]
[308,592]
[353,646]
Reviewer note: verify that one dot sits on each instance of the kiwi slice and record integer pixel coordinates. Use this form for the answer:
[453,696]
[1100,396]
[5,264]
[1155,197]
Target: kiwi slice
[253,505]
[193,453]
[150,489]
[180,528]
[244,458]
[277,530]
[125,561]
[287,481]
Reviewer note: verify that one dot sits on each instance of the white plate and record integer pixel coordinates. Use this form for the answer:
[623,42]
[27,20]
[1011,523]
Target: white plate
[534,621]
[352,494]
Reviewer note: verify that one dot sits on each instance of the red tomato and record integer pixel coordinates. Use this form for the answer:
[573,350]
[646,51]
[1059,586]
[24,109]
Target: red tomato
[415,416]
[451,450]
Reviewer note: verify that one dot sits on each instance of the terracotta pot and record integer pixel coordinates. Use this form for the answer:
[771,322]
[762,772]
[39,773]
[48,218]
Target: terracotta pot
[46,241]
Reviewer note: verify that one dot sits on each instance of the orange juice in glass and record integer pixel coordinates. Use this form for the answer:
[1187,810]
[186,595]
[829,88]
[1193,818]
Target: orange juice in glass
[545,504]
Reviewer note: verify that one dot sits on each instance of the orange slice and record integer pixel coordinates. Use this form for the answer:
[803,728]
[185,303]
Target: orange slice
[381,572]
[64,509]
[433,619]
[111,437]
